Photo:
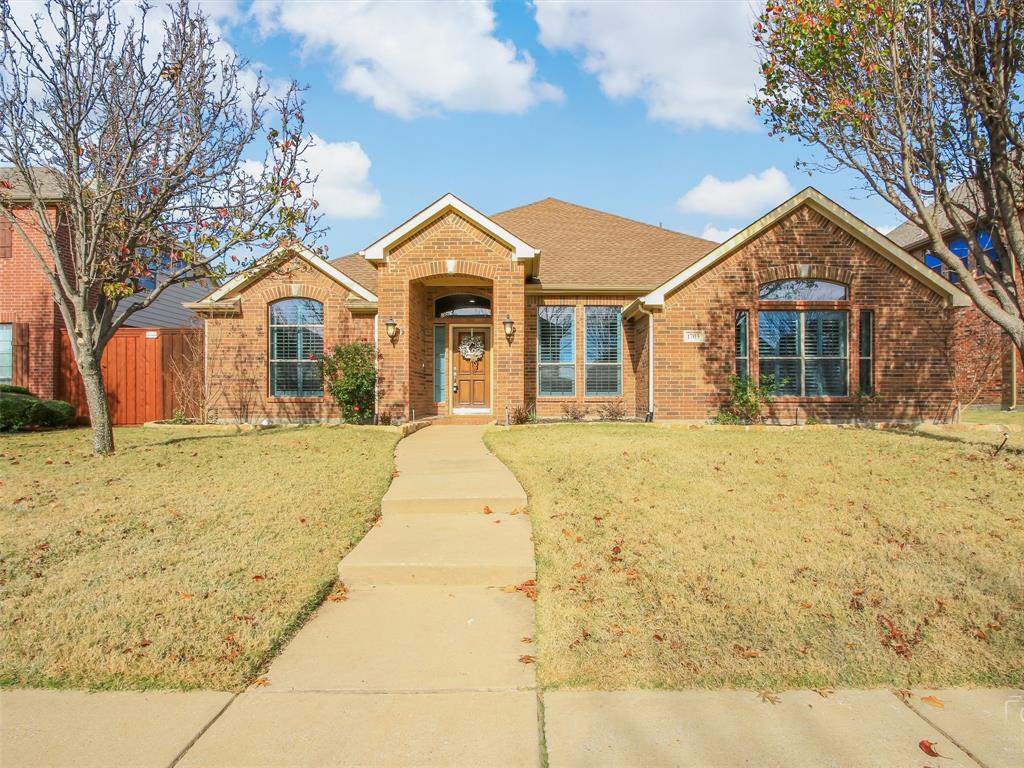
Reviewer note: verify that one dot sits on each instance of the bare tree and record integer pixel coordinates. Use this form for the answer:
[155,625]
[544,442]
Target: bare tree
[141,129]
[922,98]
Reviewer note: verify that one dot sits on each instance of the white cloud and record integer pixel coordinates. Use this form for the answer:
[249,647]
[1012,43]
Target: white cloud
[750,196]
[692,63]
[713,233]
[343,190]
[413,58]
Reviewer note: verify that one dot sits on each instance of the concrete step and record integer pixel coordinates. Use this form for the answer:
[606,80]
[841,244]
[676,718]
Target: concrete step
[468,491]
[271,730]
[449,549]
[404,639]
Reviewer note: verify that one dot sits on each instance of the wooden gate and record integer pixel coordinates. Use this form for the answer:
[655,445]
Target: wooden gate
[142,370]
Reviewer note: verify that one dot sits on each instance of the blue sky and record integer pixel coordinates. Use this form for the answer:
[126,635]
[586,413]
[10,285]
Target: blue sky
[621,107]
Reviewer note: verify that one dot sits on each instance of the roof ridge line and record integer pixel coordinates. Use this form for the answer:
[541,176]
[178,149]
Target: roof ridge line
[613,215]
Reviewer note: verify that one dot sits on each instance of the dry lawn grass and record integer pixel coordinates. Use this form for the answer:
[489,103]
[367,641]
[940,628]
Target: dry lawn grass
[993,416]
[675,558]
[183,561]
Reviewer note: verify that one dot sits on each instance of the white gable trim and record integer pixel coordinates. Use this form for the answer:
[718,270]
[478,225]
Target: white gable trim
[835,213]
[298,251]
[378,250]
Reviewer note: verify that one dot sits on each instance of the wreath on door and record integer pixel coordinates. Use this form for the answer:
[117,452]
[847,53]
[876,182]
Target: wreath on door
[472,348]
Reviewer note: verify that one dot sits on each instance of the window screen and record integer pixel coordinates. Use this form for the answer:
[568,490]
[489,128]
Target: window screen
[603,334]
[556,351]
[296,348]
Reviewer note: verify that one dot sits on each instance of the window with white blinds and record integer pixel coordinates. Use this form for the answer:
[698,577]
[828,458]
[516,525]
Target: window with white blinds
[603,351]
[296,348]
[806,351]
[556,351]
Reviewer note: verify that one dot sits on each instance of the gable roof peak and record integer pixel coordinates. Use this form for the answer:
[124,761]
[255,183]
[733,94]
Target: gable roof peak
[377,251]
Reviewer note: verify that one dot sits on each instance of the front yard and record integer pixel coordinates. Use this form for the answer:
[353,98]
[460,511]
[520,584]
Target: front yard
[184,560]
[676,558]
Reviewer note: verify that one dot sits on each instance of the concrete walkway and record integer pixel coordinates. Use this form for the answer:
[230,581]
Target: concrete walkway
[420,667]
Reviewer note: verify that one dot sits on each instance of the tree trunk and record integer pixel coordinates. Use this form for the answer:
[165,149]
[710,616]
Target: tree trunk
[99,408]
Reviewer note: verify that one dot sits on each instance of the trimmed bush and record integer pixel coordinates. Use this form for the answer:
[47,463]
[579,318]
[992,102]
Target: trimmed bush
[19,411]
[351,375]
[14,390]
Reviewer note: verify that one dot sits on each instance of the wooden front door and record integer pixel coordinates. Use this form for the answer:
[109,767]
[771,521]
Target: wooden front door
[471,380]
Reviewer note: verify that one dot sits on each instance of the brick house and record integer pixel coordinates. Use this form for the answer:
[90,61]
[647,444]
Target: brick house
[33,349]
[553,303]
[981,350]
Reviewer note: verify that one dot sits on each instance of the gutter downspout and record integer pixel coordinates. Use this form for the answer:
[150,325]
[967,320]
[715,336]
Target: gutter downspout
[376,368]
[650,362]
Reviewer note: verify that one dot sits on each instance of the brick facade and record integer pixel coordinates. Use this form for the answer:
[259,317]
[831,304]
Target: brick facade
[237,371]
[448,248]
[26,297]
[913,328]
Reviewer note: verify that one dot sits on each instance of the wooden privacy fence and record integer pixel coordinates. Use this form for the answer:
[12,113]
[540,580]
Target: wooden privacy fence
[148,374]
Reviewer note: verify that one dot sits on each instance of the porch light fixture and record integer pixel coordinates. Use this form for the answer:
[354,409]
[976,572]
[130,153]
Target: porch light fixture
[510,327]
[391,327]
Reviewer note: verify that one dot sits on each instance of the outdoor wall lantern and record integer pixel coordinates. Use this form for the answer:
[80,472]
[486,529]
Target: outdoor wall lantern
[391,327]
[510,327]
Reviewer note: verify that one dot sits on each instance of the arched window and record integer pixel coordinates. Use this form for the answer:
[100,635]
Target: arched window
[802,290]
[462,305]
[296,348]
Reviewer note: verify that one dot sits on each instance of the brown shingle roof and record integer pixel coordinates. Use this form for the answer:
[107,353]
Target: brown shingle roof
[359,269]
[583,247]
[49,184]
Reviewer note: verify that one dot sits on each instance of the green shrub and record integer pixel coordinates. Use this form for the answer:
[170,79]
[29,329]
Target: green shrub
[351,377]
[19,411]
[14,390]
[747,399]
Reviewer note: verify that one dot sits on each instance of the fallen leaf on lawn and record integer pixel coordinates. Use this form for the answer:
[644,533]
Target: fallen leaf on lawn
[525,639]
[488,511]
[260,682]
[823,692]
[497,521]
[185,595]
[928,747]
[768,697]
[805,605]
[932,701]
[859,591]
[526,658]
[257,577]
[902,694]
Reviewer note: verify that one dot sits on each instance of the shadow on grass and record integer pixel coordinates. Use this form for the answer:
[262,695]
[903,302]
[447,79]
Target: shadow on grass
[991,445]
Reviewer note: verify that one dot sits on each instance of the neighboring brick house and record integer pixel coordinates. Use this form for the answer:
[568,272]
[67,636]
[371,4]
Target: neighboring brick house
[32,353]
[553,303]
[991,368]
